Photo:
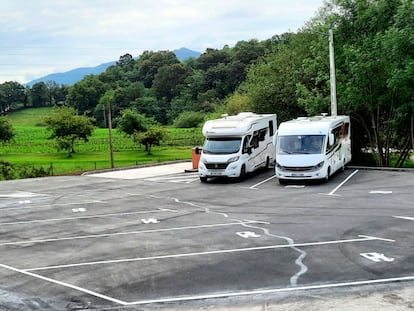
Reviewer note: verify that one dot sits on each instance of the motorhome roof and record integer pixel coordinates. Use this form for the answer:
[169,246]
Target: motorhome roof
[310,125]
[233,125]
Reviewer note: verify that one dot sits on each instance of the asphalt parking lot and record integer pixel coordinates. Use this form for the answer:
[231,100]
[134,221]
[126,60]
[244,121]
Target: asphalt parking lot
[125,240]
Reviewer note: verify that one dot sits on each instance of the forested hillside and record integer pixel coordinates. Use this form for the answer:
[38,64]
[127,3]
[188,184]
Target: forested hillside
[287,74]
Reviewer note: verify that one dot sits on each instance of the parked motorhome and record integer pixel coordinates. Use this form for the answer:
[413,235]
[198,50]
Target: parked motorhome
[312,147]
[236,145]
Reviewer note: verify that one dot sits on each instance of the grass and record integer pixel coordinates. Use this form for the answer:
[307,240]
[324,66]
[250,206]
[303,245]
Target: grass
[30,116]
[32,147]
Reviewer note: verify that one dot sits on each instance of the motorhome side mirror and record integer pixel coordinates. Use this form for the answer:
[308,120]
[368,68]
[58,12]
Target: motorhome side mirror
[331,139]
[249,150]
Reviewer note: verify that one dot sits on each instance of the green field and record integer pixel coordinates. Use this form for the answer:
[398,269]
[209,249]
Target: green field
[32,147]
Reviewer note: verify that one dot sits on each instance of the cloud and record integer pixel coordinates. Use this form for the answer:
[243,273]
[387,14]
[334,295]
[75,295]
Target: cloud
[45,36]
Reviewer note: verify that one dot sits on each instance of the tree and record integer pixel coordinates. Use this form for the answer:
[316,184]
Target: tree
[168,80]
[125,60]
[151,137]
[12,94]
[67,128]
[39,94]
[124,96]
[85,94]
[142,129]
[211,58]
[248,52]
[271,83]
[131,122]
[373,58]
[148,105]
[6,130]
[56,93]
[149,63]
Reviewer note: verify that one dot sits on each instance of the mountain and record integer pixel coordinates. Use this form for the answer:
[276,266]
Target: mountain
[75,75]
[184,53]
[72,76]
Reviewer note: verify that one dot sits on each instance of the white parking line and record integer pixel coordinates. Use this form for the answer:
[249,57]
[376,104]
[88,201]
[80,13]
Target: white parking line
[272,290]
[262,182]
[82,217]
[361,238]
[52,205]
[21,194]
[404,217]
[186,179]
[65,284]
[342,183]
[380,192]
[94,236]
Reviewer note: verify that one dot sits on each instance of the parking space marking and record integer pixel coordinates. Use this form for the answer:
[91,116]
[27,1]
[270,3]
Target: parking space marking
[380,192]
[84,290]
[262,182]
[362,238]
[272,291]
[104,235]
[21,194]
[377,257]
[404,217]
[375,238]
[79,210]
[342,183]
[83,217]
[186,179]
[54,205]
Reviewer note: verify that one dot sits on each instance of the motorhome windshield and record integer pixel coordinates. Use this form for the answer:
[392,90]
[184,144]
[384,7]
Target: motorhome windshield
[300,144]
[222,145]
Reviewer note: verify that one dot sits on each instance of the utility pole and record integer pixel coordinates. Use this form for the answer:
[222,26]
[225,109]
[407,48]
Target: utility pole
[334,109]
[111,147]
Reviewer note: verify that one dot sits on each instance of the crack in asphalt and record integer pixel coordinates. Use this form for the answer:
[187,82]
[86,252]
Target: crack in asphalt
[302,254]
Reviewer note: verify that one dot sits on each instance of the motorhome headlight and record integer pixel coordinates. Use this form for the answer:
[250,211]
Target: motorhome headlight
[203,160]
[319,165]
[233,159]
[278,165]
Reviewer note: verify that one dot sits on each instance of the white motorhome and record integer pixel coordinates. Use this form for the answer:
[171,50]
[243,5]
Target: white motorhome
[312,147]
[236,145]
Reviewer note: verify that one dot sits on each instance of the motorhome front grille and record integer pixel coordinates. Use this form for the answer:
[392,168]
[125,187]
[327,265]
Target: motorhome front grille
[298,168]
[216,166]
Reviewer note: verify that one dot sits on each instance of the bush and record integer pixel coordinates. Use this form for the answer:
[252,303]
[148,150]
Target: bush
[189,119]
[6,130]
[9,171]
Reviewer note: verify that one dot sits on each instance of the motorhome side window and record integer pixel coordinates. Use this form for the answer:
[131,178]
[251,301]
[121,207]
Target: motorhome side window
[337,133]
[246,144]
[258,136]
[271,130]
[262,134]
[346,131]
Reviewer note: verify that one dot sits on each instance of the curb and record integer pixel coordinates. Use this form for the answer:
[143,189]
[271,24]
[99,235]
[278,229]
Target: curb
[374,168]
[135,167]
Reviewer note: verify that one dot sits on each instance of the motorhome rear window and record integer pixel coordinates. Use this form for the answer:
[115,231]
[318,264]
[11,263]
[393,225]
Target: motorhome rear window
[222,145]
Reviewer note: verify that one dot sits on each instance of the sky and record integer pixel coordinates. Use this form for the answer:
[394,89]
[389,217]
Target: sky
[40,37]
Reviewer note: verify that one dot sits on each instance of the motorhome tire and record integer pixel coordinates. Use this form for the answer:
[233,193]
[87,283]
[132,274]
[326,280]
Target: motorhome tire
[328,173]
[203,179]
[267,163]
[242,175]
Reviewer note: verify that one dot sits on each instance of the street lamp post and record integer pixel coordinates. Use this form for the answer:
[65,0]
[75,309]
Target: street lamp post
[111,147]
[334,110]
